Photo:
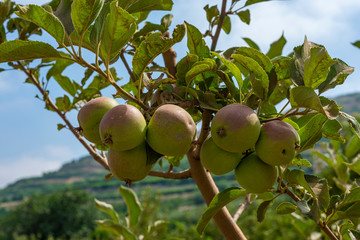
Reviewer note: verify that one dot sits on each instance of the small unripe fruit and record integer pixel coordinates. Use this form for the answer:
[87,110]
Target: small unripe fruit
[171,130]
[235,128]
[254,175]
[217,160]
[277,143]
[123,127]
[130,165]
[90,115]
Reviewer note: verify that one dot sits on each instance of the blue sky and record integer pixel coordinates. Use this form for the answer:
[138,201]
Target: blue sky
[31,145]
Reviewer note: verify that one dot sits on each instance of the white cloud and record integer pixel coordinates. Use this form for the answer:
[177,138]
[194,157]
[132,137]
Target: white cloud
[34,163]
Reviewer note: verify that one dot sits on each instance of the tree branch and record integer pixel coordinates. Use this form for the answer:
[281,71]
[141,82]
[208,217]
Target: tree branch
[208,189]
[170,58]
[242,207]
[102,161]
[172,175]
[219,26]
[122,57]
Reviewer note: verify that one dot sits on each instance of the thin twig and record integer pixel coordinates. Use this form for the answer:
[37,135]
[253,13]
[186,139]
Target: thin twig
[171,175]
[242,207]
[219,26]
[102,161]
[122,57]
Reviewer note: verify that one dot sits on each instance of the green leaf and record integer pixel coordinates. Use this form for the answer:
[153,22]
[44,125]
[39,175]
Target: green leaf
[331,130]
[285,208]
[17,50]
[98,27]
[244,16]
[352,147]
[200,67]
[84,13]
[116,228]
[305,97]
[330,107]
[261,81]
[250,2]
[152,46]
[148,5]
[260,213]
[233,69]
[351,197]
[119,27]
[228,82]
[63,103]
[183,66]
[300,162]
[316,67]
[166,21]
[47,21]
[355,126]
[351,212]
[196,43]
[58,67]
[133,204]
[354,165]
[263,60]
[108,209]
[226,25]
[321,190]
[251,43]
[66,84]
[63,13]
[219,201]
[211,12]
[338,73]
[356,44]
[276,47]
[60,126]
[303,207]
[296,176]
[311,132]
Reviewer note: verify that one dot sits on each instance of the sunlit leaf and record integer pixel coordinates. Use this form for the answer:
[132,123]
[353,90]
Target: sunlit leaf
[196,43]
[133,204]
[305,97]
[276,47]
[17,50]
[244,16]
[108,209]
[84,13]
[311,132]
[116,228]
[46,20]
[219,201]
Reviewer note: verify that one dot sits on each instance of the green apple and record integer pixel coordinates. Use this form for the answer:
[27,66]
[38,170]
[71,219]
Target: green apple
[90,115]
[129,165]
[235,128]
[217,160]
[254,175]
[123,127]
[277,143]
[171,130]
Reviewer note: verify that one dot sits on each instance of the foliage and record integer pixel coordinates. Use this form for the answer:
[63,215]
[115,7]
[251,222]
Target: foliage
[206,80]
[61,215]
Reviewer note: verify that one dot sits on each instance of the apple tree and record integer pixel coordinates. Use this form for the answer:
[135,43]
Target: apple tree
[233,96]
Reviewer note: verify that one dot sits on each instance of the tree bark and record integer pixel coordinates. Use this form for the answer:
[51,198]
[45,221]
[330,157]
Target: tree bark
[208,189]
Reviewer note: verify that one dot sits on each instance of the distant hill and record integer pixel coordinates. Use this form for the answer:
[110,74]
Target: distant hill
[350,102]
[87,174]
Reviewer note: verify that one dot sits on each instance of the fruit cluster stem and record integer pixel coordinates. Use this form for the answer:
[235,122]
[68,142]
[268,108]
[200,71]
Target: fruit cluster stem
[208,189]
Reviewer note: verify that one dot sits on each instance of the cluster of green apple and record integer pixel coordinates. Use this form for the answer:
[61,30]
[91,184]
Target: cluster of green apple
[236,129]
[132,142]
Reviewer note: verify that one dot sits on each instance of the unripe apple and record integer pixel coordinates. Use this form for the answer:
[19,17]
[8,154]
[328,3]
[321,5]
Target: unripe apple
[254,175]
[235,128]
[129,165]
[277,143]
[171,130]
[217,160]
[123,127]
[90,115]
